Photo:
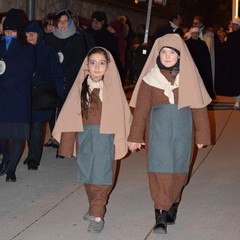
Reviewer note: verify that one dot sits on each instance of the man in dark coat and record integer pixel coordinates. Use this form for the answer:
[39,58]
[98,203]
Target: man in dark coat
[207,35]
[103,38]
[219,47]
[200,54]
[173,26]
[231,75]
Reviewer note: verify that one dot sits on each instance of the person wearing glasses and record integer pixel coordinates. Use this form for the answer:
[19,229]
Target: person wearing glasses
[96,119]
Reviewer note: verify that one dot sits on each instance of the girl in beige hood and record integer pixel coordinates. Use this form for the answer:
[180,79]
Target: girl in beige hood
[93,125]
[170,101]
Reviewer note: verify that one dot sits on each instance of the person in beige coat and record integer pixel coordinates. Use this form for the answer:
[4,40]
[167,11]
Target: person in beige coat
[93,125]
[170,115]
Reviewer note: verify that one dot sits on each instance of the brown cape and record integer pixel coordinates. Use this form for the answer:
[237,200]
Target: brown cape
[192,91]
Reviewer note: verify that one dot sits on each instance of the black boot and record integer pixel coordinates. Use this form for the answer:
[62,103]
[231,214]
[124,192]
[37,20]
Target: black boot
[3,168]
[25,162]
[11,177]
[32,164]
[59,156]
[161,221]
[172,214]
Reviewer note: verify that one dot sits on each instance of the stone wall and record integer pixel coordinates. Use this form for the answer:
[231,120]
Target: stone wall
[83,8]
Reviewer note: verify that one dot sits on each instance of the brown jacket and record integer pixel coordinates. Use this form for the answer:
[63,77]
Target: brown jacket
[150,96]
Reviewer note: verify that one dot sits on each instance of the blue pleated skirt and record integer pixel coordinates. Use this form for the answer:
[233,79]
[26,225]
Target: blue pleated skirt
[95,156]
[170,139]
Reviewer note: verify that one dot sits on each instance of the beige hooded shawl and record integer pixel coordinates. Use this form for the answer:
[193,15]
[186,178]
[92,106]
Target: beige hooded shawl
[192,91]
[115,118]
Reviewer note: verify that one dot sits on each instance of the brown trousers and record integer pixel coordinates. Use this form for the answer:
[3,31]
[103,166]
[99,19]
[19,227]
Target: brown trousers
[166,188]
[98,196]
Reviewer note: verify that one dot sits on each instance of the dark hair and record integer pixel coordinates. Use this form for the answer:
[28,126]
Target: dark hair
[61,13]
[85,94]
[176,16]
[15,20]
[200,18]
[48,19]
[100,16]
[99,50]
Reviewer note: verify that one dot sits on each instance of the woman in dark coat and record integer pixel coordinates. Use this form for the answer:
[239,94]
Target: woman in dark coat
[48,71]
[72,47]
[17,68]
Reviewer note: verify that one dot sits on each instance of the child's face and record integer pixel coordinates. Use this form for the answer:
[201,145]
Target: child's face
[168,57]
[97,64]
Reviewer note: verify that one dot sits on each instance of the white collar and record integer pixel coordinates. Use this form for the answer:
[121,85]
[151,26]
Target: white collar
[92,84]
[156,79]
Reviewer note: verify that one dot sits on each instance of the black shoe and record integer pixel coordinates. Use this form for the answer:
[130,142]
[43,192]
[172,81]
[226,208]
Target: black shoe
[59,156]
[11,177]
[172,214]
[25,162]
[32,165]
[55,145]
[161,222]
[3,168]
[49,143]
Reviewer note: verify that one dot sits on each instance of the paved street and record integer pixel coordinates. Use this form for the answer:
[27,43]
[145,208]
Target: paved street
[49,204]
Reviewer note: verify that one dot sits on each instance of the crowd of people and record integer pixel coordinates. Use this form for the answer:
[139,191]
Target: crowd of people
[78,67]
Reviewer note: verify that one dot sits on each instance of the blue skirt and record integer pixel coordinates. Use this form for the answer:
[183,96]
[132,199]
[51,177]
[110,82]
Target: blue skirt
[95,156]
[170,139]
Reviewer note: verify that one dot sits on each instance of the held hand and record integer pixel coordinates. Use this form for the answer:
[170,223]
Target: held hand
[200,146]
[132,146]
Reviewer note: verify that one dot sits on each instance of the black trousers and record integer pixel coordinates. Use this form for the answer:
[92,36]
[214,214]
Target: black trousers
[12,150]
[35,143]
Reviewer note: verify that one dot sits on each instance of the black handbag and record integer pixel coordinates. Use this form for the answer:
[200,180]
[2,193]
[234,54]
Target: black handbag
[44,96]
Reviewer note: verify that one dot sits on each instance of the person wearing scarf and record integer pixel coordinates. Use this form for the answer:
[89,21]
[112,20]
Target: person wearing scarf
[93,125]
[170,115]
[17,66]
[72,47]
